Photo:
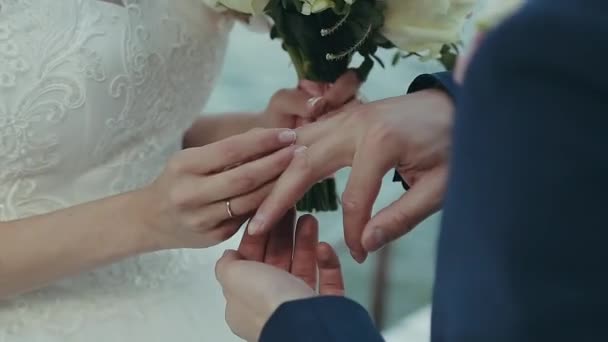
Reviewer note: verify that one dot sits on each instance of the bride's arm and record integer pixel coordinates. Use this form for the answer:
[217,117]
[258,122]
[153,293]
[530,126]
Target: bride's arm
[184,208]
[41,249]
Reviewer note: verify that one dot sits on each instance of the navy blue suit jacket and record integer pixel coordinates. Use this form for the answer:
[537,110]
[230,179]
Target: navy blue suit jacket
[523,250]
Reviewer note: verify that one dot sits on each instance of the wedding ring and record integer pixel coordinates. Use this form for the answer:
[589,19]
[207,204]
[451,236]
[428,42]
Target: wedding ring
[229,209]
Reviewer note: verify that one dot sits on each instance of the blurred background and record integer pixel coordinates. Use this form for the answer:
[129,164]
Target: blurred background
[255,68]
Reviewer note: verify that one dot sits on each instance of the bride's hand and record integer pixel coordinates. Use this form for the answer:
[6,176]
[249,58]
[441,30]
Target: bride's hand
[291,108]
[187,206]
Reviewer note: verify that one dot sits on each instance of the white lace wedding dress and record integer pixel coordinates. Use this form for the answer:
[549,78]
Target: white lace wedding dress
[93,99]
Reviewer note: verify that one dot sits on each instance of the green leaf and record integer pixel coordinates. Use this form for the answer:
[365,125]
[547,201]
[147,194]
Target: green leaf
[396,58]
[378,60]
[365,68]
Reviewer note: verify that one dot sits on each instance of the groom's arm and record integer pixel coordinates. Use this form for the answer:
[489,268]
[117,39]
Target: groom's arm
[331,319]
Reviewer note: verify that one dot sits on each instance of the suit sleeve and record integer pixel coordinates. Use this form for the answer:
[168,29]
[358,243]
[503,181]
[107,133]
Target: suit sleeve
[320,319]
[443,81]
[523,246]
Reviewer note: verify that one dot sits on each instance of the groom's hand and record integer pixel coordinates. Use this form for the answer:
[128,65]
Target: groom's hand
[271,269]
[410,133]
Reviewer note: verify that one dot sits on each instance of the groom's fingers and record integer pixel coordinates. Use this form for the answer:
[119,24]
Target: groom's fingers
[331,282]
[307,168]
[320,130]
[304,265]
[371,162]
[398,219]
[224,263]
[253,248]
[280,242]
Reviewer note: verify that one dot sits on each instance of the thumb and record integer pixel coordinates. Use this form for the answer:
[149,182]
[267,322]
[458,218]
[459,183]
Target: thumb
[223,264]
[418,203]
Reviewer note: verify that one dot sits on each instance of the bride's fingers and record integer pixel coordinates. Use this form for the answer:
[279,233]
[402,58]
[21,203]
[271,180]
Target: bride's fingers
[225,153]
[343,90]
[253,247]
[280,242]
[239,206]
[243,178]
[298,103]
[304,264]
[226,230]
[331,281]
[307,168]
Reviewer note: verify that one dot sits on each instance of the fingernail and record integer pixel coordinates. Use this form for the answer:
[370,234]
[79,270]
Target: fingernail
[313,101]
[256,224]
[358,256]
[300,150]
[377,240]
[288,136]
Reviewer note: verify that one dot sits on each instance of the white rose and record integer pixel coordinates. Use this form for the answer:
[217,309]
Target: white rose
[241,6]
[495,11]
[425,25]
[316,6]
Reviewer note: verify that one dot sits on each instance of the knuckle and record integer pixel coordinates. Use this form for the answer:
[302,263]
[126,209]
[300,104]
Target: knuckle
[350,203]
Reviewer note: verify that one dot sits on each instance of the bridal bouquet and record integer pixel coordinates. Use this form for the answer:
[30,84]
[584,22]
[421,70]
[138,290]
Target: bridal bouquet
[322,36]
[495,12]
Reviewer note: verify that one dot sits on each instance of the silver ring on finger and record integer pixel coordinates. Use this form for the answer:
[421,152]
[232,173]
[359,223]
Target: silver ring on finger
[229,209]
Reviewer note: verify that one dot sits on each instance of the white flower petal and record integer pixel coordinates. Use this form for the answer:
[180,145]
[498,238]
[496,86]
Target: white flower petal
[425,25]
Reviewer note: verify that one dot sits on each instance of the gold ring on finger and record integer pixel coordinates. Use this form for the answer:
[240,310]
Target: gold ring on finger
[229,209]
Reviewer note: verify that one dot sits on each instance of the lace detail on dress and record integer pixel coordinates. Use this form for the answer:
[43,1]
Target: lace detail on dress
[94,98]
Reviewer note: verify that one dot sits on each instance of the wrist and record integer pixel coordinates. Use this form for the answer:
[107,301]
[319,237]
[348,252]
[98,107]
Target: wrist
[139,213]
